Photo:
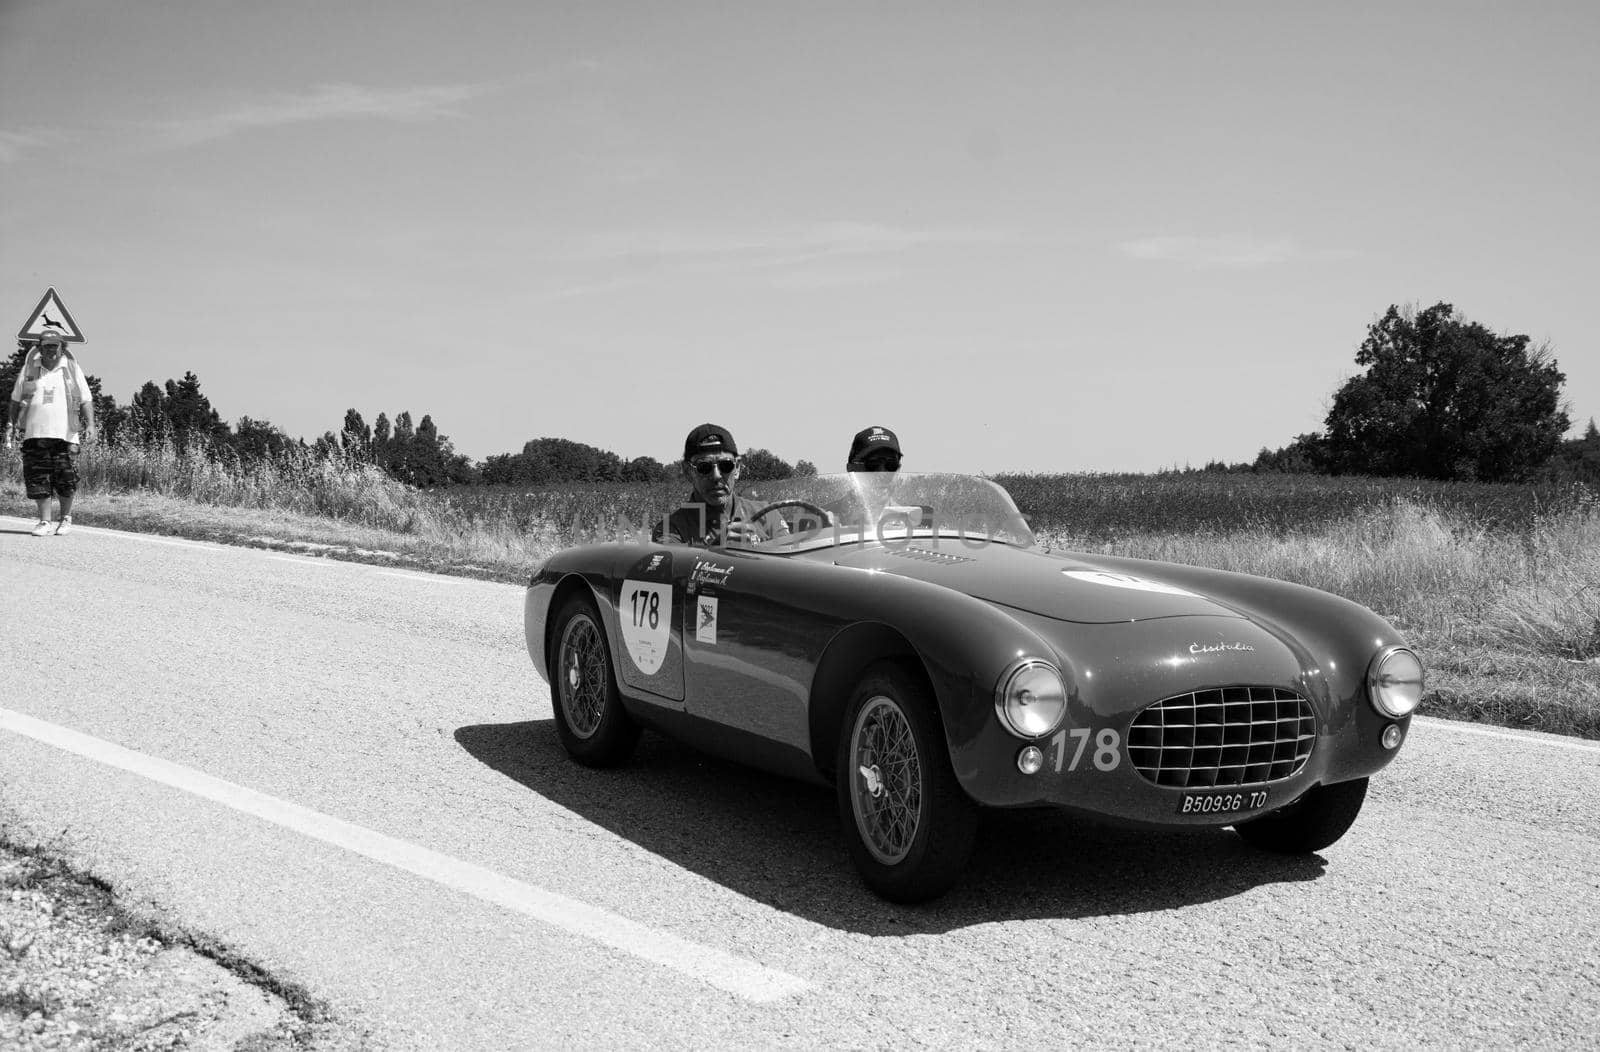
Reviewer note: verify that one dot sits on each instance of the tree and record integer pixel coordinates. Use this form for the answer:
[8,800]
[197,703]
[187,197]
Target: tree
[1578,459]
[417,456]
[434,461]
[1446,398]
[356,436]
[645,469]
[761,465]
[145,414]
[397,452]
[1306,455]
[258,439]
[189,413]
[804,469]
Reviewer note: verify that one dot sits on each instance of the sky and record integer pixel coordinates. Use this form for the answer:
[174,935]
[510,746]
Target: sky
[1027,237]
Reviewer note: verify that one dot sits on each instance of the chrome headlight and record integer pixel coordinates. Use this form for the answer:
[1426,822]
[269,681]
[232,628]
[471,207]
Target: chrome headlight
[1394,682]
[1031,700]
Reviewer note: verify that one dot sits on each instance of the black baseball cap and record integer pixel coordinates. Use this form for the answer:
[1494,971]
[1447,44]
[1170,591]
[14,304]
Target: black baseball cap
[873,439]
[709,438]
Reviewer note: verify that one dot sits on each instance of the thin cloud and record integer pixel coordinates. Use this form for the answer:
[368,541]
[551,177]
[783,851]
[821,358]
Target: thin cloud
[774,246]
[796,257]
[815,279]
[327,102]
[1228,251]
[14,144]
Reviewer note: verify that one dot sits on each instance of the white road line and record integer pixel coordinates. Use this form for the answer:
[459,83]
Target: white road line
[743,978]
[302,560]
[193,545]
[148,538]
[430,578]
[1575,744]
[269,553]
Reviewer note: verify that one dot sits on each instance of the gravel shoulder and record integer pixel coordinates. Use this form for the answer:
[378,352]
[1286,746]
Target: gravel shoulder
[78,971]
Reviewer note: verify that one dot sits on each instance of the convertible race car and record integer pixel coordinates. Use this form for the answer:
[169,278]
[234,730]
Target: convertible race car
[908,641]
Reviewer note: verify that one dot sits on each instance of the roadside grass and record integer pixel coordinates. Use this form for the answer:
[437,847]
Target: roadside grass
[1501,594]
[339,506]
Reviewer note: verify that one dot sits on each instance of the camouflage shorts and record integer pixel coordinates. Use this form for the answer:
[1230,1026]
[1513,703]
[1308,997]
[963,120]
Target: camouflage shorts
[48,467]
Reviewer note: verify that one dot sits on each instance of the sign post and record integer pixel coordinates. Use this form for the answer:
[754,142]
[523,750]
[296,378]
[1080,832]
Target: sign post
[51,315]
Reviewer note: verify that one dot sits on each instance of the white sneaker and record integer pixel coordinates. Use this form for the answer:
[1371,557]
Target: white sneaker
[42,530]
[66,525]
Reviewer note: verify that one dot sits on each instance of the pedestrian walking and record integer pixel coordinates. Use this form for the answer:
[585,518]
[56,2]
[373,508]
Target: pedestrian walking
[51,412]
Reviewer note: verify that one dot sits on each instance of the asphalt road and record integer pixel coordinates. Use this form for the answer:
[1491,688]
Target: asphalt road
[350,776]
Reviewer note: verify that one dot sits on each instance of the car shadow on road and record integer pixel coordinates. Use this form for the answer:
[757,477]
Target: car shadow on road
[778,841]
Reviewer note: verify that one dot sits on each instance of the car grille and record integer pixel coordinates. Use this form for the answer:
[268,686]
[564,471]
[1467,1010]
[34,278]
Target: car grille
[1227,736]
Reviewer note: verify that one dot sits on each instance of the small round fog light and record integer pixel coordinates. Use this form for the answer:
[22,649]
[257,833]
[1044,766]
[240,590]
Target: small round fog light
[1391,736]
[1030,759]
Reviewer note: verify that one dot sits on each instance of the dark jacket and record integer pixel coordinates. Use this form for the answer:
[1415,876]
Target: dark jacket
[684,526]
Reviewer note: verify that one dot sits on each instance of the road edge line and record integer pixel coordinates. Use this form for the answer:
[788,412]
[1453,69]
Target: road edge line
[736,975]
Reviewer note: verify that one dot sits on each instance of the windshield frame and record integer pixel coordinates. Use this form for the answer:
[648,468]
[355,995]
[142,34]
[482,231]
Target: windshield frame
[893,509]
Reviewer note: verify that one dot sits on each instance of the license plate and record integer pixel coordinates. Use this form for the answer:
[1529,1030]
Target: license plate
[1222,803]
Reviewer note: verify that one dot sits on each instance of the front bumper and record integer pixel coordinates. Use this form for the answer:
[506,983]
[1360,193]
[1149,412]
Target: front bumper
[1092,764]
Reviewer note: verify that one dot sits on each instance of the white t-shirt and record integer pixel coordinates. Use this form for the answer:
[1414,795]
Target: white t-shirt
[51,411]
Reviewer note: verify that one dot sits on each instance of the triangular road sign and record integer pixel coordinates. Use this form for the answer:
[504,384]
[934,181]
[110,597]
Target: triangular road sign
[50,316]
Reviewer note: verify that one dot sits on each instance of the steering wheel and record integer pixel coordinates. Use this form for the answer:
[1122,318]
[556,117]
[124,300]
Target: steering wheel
[827,520]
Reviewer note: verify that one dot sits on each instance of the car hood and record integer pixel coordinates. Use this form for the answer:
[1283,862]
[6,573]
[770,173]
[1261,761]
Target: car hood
[1065,588]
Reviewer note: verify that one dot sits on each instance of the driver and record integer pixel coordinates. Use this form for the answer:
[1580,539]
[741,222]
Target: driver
[712,513]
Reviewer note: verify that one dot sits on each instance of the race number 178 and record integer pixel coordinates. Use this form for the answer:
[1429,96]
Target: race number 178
[1107,752]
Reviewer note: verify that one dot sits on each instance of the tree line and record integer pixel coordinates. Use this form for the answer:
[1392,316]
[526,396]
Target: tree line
[1440,397]
[418,454]
[551,461]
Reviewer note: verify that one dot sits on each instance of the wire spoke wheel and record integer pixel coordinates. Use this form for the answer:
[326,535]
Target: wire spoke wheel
[583,676]
[886,779]
[591,720]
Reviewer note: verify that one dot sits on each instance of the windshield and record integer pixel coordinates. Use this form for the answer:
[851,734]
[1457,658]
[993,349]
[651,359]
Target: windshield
[872,506]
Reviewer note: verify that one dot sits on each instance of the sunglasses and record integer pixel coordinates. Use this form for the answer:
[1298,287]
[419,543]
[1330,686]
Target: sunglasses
[725,465]
[881,464]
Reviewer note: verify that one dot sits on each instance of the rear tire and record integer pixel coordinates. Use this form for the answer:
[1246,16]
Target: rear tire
[1311,823]
[592,724]
[909,825]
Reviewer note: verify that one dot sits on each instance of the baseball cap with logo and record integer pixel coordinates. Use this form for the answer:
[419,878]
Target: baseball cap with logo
[709,438]
[873,439]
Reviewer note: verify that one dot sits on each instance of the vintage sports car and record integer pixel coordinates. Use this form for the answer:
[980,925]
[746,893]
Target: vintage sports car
[909,642]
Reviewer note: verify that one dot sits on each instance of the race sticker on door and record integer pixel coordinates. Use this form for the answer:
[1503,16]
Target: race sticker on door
[705,630]
[646,615]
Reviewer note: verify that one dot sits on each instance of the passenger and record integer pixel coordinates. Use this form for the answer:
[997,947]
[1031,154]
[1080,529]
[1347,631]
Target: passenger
[713,513]
[874,449]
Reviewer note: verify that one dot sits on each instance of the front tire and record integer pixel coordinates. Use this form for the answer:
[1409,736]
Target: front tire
[908,823]
[1311,823]
[590,721]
